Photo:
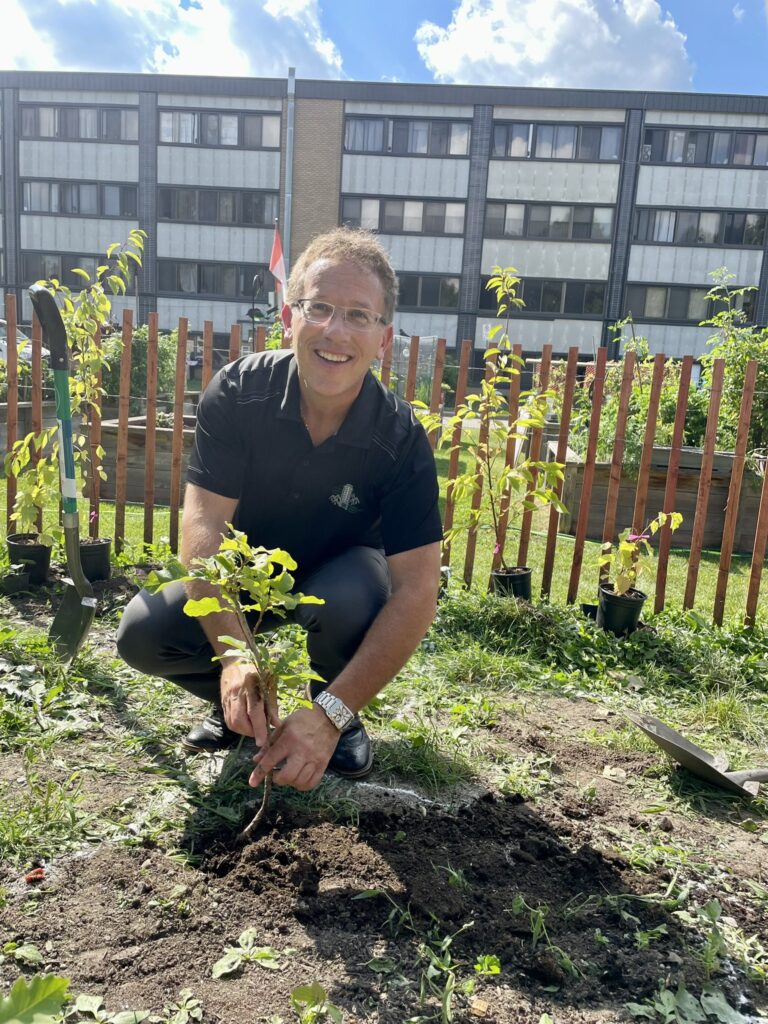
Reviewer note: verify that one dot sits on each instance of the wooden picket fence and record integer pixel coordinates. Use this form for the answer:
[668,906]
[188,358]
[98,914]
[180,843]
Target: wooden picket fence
[567,393]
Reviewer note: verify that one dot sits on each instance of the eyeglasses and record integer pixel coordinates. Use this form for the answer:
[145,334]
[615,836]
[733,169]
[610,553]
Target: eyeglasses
[322,313]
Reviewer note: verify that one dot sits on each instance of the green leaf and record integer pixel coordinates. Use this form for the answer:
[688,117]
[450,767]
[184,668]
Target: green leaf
[89,1004]
[229,964]
[203,606]
[28,954]
[129,1017]
[714,1003]
[37,1001]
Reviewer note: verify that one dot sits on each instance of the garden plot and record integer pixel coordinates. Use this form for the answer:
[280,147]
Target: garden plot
[522,852]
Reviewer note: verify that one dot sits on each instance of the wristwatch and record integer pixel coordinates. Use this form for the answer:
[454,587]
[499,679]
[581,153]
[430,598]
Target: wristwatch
[335,708]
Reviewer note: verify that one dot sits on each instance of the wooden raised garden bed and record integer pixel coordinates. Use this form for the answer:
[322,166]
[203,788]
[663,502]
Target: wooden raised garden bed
[685,501]
[137,443]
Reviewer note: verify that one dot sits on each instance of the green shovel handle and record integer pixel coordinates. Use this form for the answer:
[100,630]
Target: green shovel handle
[55,338]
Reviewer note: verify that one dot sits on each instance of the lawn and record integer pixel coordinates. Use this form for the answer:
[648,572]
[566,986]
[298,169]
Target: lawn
[521,853]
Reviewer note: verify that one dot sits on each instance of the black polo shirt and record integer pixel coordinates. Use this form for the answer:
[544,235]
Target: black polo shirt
[373,482]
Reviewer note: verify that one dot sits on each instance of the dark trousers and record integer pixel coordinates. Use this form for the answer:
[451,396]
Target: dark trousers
[158,639]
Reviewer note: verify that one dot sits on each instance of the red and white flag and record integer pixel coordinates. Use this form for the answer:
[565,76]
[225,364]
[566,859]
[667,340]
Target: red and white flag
[277,269]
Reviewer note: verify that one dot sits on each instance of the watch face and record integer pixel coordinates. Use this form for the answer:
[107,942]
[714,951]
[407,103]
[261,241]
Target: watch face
[335,709]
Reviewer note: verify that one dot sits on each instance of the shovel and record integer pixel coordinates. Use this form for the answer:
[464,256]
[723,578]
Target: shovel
[710,767]
[73,619]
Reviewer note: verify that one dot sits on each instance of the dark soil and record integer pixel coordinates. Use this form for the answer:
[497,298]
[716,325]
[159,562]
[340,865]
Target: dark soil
[357,899]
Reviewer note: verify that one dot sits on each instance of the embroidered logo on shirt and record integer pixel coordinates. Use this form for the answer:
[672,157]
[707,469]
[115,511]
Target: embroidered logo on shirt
[345,498]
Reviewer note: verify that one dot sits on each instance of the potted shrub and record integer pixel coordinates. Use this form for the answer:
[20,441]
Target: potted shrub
[84,315]
[620,603]
[14,578]
[512,482]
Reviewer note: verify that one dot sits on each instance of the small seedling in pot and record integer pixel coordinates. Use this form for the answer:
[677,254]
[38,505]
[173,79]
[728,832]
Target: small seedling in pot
[255,581]
[631,558]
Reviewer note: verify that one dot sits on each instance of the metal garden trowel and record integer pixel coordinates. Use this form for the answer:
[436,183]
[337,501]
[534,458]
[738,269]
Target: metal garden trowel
[75,614]
[710,767]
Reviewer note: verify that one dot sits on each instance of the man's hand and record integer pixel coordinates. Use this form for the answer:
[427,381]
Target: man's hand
[305,742]
[241,701]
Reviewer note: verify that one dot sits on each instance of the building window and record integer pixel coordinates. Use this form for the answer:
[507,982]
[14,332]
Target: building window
[696,146]
[195,128]
[403,216]
[700,227]
[218,280]
[676,302]
[79,198]
[550,141]
[406,137]
[430,291]
[104,124]
[537,220]
[42,266]
[217,206]
[552,297]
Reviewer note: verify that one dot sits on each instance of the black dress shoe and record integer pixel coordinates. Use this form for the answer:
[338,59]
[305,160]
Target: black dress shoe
[210,735]
[353,756]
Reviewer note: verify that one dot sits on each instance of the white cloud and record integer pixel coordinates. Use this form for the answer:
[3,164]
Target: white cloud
[213,37]
[738,12]
[573,43]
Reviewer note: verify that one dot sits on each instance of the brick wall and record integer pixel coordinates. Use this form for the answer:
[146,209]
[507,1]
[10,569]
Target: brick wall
[318,139]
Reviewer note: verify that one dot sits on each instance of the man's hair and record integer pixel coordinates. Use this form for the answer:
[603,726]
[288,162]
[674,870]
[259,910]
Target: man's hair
[347,245]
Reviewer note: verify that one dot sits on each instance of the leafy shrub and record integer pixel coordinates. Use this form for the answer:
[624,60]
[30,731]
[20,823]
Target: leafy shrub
[167,343]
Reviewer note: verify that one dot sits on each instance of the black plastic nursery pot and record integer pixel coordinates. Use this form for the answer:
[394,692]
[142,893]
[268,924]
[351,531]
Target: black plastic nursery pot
[25,549]
[513,582]
[619,613]
[14,583]
[94,557]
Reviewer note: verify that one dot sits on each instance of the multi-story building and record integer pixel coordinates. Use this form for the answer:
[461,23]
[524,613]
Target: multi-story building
[607,202]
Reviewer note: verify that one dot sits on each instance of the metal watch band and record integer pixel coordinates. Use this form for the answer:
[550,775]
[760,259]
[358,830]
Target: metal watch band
[335,708]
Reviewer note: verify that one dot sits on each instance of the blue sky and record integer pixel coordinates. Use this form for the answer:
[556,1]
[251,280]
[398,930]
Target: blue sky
[688,45]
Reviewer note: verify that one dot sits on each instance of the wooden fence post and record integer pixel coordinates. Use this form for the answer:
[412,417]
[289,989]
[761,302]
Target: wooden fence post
[436,394]
[534,453]
[589,474]
[705,483]
[477,493]
[177,440]
[734,491]
[513,410]
[569,389]
[121,457]
[151,430]
[644,472]
[617,456]
[670,490]
[413,363]
[453,462]
[207,354]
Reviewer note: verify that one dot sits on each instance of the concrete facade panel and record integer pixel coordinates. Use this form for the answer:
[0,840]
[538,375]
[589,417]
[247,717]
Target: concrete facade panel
[675,340]
[588,261]
[427,325]
[405,176]
[738,188]
[175,99]
[416,252]
[89,161]
[408,109]
[236,168]
[553,181]
[212,242]
[318,139]
[90,236]
[689,265]
[707,118]
[567,114]
[197,311]
[129,99]
[533,334]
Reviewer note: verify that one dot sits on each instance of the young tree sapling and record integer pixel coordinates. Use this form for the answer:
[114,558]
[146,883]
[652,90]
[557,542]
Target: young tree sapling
[253,581]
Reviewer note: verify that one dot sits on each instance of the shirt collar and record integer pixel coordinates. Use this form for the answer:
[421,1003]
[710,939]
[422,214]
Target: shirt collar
[357,428]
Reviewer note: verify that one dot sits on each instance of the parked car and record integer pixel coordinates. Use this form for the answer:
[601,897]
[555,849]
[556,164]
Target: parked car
[23,344]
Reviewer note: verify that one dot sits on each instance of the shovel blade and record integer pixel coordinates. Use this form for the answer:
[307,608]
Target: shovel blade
[71,623]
